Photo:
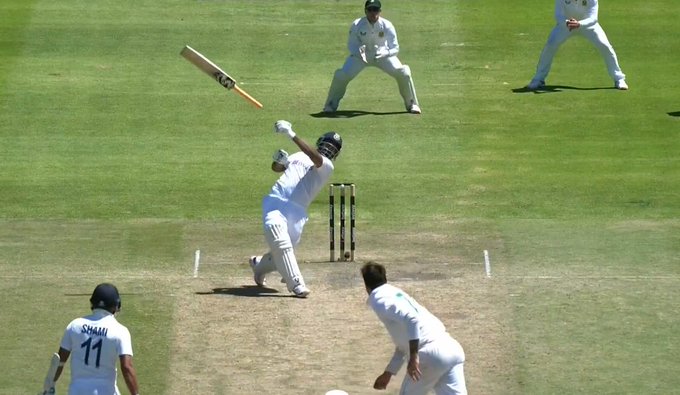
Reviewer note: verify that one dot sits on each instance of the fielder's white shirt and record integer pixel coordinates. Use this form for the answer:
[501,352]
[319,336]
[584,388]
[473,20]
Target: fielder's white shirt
[378,37]
[96,342]
[405,320]
[584,11]
[300,182]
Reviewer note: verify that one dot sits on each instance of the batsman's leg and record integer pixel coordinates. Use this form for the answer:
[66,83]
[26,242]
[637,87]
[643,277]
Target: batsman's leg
[284,258]
[262,265]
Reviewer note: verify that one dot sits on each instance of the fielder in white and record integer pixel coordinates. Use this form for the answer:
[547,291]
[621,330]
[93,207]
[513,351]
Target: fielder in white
[372,42]
[435,359]
[94,343]
[577,17]
[285,207]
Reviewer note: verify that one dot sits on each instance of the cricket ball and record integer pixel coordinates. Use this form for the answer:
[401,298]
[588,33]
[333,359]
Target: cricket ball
[347,255]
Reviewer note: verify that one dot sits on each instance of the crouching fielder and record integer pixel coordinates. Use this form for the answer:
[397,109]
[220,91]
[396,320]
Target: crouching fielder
[372,42]
[435,359]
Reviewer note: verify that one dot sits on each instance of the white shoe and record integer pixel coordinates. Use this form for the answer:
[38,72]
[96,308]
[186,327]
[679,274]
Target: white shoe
[301,291]
[535,85]
[415,109]
[260,279]
[621,85]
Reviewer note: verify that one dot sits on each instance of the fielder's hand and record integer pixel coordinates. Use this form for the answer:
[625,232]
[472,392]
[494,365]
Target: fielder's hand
[573,24]
[382,53]
[281,157]
[284,127]
[362,53]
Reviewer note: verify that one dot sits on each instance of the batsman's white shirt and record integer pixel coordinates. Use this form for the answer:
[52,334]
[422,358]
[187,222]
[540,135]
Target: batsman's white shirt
[294,191]
[378,37]
[96,342]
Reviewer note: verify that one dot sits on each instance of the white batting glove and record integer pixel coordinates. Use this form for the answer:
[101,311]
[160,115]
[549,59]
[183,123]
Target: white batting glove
[281,157]
[284,127]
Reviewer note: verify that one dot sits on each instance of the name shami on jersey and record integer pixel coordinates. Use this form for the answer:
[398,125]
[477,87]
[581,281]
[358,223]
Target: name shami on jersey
[94,330]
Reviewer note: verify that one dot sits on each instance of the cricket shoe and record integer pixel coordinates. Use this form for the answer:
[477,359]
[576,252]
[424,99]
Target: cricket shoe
[535,85]
[260,279]
[621,85]
[301,291]
[415,109]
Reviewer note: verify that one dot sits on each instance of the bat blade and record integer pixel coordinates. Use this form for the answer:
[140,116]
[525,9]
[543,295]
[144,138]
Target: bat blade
[49,377]
[207,66]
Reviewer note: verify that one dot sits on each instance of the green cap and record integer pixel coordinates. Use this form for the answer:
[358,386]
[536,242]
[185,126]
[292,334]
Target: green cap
[373,4]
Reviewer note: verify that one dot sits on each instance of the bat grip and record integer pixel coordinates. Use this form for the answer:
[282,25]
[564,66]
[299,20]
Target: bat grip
[247,96]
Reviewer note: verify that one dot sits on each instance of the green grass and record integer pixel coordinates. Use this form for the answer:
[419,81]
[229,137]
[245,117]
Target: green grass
[119,158]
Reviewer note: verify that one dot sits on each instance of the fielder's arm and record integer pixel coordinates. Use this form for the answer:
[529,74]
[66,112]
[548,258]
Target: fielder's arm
[129,374]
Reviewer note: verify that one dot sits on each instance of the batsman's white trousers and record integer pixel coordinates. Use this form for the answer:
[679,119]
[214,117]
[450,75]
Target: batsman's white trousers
[283,225]
[354,65]
[595,34]
[441,365]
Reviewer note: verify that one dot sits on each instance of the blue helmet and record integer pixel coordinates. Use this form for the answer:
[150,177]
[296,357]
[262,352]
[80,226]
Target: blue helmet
[105,296]
[329,145]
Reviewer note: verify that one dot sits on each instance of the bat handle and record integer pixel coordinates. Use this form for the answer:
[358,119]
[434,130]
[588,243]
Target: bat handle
[246,96]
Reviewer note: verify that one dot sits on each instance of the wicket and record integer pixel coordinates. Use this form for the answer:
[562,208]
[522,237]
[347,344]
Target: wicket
[342,186]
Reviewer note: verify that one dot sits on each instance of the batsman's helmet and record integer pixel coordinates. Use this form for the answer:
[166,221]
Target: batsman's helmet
[329,145]
[105,296]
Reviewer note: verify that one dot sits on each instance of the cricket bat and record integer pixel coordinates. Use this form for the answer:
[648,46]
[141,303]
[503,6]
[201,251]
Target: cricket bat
[215,72]
[49,377]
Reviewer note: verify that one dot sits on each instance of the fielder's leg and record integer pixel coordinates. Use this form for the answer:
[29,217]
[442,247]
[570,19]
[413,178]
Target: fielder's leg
[597,36]
[402,74]
[341,79]
[557,36]
[284,258]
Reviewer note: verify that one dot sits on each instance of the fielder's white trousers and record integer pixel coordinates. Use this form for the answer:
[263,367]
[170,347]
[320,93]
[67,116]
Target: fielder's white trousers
[441,365]
[595,34]
[354,65]
[92,387]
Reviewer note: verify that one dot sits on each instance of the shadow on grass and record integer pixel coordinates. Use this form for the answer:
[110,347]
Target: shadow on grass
[674,113]
[247,291]
[353,113]
[558,88]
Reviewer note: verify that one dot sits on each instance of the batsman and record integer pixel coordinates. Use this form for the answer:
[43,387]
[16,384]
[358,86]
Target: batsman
[284,209]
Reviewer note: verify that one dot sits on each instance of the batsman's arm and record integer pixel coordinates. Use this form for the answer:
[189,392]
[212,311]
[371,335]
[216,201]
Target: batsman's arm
[310,151]
[285,127]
